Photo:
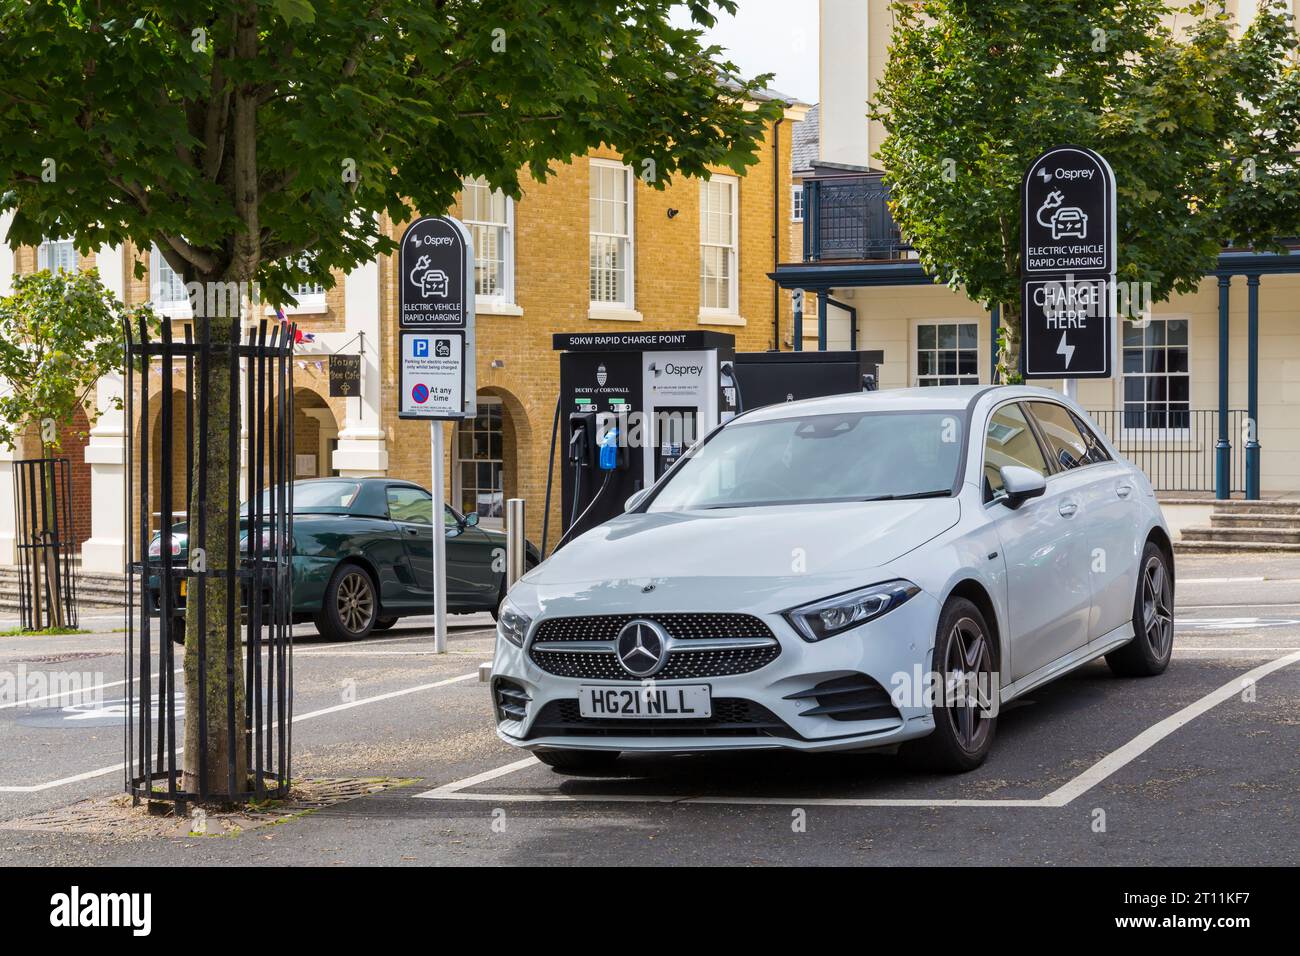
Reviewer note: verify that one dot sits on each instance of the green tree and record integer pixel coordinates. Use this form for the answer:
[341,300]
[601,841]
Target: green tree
[239,135]
[1199,126]
[59,334]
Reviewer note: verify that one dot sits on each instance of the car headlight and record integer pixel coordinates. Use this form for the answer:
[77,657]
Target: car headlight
[833,615]
[512,623]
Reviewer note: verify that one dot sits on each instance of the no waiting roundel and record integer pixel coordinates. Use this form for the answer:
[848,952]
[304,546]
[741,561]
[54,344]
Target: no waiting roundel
[1068,210]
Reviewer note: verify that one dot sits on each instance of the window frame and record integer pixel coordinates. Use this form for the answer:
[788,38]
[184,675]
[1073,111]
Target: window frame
[797,195]
[175,309]
[915,358]
[732,248]
[628,303]
[313,303]
[1145,432]
[506,295]
[43,251]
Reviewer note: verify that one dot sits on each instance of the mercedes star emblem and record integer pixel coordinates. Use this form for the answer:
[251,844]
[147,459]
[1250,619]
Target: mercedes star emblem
[642,647]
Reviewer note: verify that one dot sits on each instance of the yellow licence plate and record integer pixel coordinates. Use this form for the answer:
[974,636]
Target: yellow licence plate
[184,588]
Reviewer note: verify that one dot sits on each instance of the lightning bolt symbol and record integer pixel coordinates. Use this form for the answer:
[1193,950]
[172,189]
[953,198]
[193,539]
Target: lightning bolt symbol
[1066,350]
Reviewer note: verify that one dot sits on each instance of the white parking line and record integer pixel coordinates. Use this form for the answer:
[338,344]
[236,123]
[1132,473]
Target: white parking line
[69,693]
[104,771]
[1072,790]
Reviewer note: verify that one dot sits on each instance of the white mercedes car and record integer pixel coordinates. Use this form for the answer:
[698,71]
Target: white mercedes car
[857,572]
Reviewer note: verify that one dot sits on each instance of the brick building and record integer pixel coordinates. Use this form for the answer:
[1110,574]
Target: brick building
[593,248]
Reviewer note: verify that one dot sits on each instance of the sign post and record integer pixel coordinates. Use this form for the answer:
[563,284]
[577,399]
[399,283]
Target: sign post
[437,358]
[1067,267]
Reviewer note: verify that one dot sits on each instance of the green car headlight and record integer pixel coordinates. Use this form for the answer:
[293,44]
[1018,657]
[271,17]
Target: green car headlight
[512,623]
[836,614]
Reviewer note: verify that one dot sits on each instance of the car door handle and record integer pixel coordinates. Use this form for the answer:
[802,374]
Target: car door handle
[412,531]
[1124,490]
[1068,508]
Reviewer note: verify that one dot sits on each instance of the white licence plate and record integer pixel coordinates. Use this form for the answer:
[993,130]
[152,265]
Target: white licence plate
[619,700]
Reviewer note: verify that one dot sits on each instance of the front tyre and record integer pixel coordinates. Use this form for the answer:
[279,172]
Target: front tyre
[351,605]
[1152,646]
[965,718]
[577,761]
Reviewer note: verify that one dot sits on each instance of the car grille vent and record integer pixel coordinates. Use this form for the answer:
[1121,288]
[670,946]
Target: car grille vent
[855,697]
[682,663]
[510,699]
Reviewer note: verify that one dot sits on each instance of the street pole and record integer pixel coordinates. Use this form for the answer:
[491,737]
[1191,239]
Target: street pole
[1071,388]
[438,530]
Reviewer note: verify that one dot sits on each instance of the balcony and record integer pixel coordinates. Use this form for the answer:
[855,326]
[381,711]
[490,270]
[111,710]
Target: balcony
[847,219]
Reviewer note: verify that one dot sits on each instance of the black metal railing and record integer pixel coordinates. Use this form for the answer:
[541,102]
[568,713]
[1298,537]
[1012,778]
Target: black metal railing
[847,217]
[47,587]
[215,580]
[1177,449]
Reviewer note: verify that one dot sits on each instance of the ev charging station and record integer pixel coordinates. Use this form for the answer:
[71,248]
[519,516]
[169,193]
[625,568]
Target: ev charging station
[632,403]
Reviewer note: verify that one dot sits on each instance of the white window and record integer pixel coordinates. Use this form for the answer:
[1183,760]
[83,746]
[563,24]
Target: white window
[166,288]
[489,215]
[57,255]
[308,297]
[611,234]
[1157,385]
[480,463]
[947,353]
[718,286]
[796,202]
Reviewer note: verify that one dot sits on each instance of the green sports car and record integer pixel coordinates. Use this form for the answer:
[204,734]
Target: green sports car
[363,556]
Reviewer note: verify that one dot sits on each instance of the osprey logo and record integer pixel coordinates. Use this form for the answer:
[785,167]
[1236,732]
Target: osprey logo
[601,375]
[642,647]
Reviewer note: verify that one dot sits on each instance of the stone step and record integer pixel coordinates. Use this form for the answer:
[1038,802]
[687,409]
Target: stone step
[1254,519]
[1219,547]
[1243,535]
[94,590]
[1276,506]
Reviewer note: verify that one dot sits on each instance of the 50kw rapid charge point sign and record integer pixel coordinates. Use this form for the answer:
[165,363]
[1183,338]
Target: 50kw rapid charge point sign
[432,380]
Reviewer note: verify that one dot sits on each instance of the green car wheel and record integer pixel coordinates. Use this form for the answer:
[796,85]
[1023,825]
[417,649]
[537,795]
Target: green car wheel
[351,606]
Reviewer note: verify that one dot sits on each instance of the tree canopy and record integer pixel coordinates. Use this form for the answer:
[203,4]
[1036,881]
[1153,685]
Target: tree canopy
[1199,124]
[239,134]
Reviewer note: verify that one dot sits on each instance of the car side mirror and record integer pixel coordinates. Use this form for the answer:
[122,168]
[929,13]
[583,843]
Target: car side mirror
[634,502]
[1020,484]
[471,519]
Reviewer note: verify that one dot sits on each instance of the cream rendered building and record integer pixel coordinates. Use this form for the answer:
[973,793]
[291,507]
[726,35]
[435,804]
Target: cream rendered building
[861,288]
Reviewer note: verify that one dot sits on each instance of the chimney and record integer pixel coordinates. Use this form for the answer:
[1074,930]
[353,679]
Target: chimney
[844,82]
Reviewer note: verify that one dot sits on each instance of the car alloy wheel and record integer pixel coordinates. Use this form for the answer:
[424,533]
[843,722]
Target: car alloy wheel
[355,601]
[1157,603]
[967,675]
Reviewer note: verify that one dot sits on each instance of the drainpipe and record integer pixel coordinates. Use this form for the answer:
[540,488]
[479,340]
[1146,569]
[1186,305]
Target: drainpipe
[776,231]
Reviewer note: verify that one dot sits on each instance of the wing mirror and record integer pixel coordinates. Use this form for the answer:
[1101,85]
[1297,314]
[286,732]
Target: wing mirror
[471,519]
[1020,484]
[632,503]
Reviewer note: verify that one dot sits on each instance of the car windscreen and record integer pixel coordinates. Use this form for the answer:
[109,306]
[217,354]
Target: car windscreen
[317,497]
[818,458]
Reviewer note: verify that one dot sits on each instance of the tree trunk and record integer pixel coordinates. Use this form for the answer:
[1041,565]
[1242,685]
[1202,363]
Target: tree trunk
[1008,346]
[222,691]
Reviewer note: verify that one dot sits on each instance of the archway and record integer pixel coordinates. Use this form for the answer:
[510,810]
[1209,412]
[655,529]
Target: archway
[315,435]
[486,456]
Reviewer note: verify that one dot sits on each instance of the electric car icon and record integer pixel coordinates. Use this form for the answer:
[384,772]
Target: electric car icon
[1066,222]
[883,570]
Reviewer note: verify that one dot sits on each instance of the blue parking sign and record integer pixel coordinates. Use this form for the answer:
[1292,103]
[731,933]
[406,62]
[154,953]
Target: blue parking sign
[421,348]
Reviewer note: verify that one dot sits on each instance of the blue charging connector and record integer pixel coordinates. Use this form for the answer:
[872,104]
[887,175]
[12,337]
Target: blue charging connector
[609,450]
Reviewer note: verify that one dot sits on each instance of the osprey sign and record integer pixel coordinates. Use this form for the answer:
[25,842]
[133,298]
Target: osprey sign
[1067,265]
[436,296]
[436,267]
[1068,215]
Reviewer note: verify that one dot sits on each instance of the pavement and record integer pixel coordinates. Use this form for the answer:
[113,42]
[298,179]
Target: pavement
[1200,766]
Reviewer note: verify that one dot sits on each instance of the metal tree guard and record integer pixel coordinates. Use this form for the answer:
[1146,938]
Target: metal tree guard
[168,564]
[47,587]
